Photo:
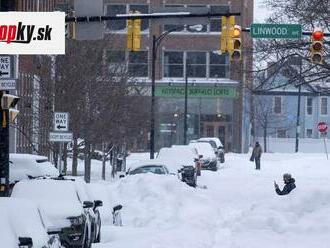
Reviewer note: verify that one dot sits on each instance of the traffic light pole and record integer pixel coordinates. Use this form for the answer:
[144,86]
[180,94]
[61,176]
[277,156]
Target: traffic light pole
[4,150]
[185,124]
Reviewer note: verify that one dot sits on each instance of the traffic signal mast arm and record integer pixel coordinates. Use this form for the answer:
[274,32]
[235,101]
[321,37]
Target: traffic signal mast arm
[145,16]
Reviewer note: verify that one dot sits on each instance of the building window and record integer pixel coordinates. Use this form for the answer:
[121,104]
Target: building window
[196,64]
[138,64]
[178,28]
[173,64]
[281,133]
[218,65]
[277,105]
[113,10]
[116,61]
[193,30]
[215,23]
[210,131]
[309,133]
[324,106]
[309,105]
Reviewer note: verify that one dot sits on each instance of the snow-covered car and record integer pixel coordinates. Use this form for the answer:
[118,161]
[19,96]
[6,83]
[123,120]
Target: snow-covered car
[65,212]
[177,156]
[84,195]
[217,145]
[22,225]
[148,166]
[23,166]
[209,158]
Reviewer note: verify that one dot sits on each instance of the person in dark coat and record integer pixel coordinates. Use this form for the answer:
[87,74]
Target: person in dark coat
[256,155]
[289,182]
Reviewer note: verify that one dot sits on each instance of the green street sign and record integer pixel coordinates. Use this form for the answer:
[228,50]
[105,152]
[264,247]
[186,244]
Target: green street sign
[276,31]
[195,91]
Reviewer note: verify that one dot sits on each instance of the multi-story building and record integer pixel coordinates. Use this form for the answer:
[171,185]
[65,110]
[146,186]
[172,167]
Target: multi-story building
[215,85]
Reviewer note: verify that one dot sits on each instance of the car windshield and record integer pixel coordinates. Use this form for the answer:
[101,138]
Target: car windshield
[150,168]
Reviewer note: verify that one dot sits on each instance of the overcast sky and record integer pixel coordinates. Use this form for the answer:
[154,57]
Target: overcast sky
[260,11]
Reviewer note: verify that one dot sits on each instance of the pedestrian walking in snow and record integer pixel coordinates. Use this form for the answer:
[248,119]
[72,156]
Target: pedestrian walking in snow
[289,182]
[256,155]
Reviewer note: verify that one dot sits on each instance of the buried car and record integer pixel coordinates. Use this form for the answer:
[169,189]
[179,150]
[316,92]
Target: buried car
[217,145]
[148,166]
[22,225]
[208,157]
[65,212]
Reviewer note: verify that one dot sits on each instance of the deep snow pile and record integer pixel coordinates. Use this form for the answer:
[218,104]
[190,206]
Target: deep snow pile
[239,208]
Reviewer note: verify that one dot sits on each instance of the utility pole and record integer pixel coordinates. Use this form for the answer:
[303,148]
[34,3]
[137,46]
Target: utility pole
[185,124]
[5,5]
[298,109]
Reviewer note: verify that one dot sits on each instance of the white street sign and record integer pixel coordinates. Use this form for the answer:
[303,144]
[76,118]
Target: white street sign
[60,137]
[5,67]
[61,121]
[7,84]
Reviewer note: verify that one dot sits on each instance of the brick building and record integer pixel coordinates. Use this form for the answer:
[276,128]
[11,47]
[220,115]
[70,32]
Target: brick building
[215,104]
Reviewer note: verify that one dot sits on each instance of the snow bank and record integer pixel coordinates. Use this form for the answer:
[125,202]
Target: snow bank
[239,208]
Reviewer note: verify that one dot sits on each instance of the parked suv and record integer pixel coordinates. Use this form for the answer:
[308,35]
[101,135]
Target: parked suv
[217,145]
[66,212]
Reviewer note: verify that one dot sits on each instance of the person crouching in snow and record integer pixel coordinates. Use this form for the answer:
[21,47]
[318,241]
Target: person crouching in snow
[289,182]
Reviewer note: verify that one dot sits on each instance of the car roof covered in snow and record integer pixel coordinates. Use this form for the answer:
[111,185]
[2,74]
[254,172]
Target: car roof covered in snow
[204,149]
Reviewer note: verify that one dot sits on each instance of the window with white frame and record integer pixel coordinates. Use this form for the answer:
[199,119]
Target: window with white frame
[281,133]
[113,10]
[277,105]
[324,105]
[120,25]
[177,28]
[309,106]
[196,64]
[219,66]
[173,64]
[138,64]
[215,23]
[116,59]
[309,133]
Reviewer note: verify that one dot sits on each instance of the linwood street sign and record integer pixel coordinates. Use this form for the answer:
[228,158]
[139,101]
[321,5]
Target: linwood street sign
[276,31]
[61,121]
[60,137]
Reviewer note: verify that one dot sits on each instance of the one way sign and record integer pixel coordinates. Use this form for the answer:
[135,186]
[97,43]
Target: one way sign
[61,121]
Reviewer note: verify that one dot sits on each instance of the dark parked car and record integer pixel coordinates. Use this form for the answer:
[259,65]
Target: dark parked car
[148,167]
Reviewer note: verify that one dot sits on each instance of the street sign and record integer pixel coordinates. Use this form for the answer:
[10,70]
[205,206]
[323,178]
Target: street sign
[7,84]
[60,137]
[61,121]
[322,127]
[276,31]
[5,67]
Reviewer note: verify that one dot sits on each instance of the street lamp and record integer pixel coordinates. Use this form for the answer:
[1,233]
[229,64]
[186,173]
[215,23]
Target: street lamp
[155,45]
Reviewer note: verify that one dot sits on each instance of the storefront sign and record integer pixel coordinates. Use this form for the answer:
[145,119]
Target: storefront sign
[195,91]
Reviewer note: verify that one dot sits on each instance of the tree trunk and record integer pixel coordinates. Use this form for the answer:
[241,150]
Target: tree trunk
[87,162]
[103,166]
[75,157]
[265,138]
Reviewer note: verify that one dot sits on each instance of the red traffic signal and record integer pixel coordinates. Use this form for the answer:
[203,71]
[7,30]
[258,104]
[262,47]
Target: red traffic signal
[316,48]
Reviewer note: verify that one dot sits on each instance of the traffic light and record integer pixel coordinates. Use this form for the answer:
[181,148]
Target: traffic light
[317,49]
[134,34]
[224,34]
[230,34]
[236,54]
[70,28]
[130,35]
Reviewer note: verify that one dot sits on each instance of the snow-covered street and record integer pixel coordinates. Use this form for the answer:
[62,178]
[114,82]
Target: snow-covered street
[239,208]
